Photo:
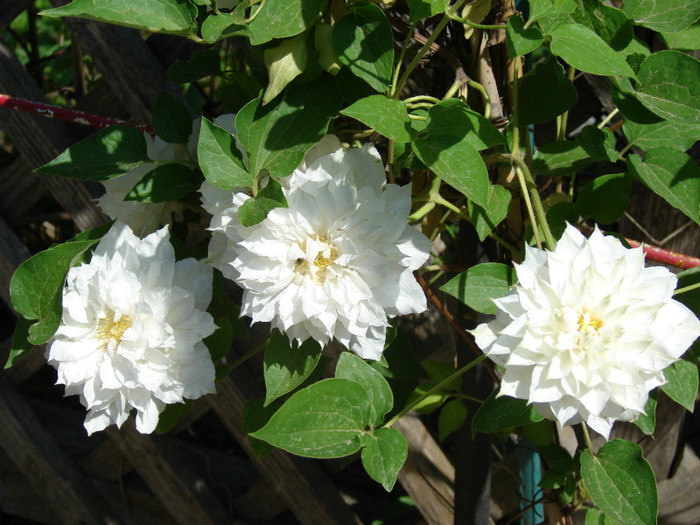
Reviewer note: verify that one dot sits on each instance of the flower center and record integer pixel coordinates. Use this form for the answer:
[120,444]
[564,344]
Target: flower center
[325,256]
[110,330]
[589,322]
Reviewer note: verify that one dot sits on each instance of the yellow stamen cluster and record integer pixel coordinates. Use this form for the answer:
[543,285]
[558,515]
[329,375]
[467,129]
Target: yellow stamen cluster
[110,330]
[588,322]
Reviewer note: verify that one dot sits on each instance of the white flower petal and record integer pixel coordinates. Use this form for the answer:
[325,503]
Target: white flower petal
[587,331]
[132,329]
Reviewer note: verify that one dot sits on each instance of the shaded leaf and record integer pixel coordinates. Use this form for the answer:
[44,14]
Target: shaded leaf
[672,175]
[363,41]
[283,18]
[203,63]
[287,364]
[171,119]
[605,198]
[104,155]
[647,422]
[477,286]
[545,82]
[284,63]
[521,41]
[503,413]
[452,416]
[559,158]
[165,183]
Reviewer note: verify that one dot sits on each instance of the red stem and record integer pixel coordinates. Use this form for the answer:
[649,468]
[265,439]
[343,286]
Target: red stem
[653,253]
[77,117]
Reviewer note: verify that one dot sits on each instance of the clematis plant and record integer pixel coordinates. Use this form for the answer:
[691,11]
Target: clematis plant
[318,201]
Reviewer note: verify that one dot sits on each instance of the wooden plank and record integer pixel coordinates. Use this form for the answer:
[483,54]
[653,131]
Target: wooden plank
[679,496]
[20,188]
[54,476]
[165,469]
[40,140]
[427,476]
[132,71]
[12,253]
[306,489]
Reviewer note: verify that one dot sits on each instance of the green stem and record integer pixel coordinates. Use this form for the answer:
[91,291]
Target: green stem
[486,100]
[453,89]
[608,118]
[396,91]
[421,212]
[421,98]
[528,204]
[430,392]
[418,105]
[587,436]
[687,289]
[395,76]
[475,25]
[539,209]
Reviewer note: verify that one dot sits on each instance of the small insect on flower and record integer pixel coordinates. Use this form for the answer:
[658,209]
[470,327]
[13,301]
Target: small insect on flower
[132,328]
[586,333]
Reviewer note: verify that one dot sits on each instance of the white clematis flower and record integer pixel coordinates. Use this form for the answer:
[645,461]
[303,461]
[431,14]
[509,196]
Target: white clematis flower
[587,331]
[132,329]
[338,260]
[146,217]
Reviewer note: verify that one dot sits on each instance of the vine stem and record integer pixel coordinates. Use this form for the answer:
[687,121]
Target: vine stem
[437,387]
[69,115]
[687,288]
[587,436]
[396,90]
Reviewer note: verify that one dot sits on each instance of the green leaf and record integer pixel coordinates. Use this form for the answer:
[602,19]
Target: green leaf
[364,43]
[545,82]
[324,420]
[605,198]
[477,286]
[287,365]
[323,42]
[687,39]
[277,136]
[383,454]
[586,51]
[662,15]
[439,371]
[503,413]
[429,404]
[448,146]
[216,27]
[561,157]
[671,174]
[171,119]
[682,385]
[220,159]
[253,211]
[596,517]
[355,369]
[632,109]
[667,85]
[485,219]
[671,135]
[386,116]
[160,16]
[521,41]
[203,63]
[104,155]
[598,143]
[548,8]
[421,9]
[37,285]
[621,482]
[284,63]
[609,23]
[255,416]
[557,458]
[452,416]
[20,343]
[558,216]
[165,183]
[646,422]
[453,119]
[167,419]
[283,18]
